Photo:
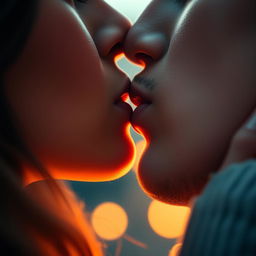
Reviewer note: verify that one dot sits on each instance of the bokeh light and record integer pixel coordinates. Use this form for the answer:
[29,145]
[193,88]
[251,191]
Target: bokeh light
[140,148]
[166,220]
[175,250]
[109,221]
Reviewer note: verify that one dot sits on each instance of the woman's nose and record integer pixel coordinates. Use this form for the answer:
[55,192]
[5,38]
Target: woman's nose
[110,36]
[107,27]
[112,32]
[148,39]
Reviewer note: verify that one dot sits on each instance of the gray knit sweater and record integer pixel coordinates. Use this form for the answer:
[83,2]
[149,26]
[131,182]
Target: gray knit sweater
[223,221]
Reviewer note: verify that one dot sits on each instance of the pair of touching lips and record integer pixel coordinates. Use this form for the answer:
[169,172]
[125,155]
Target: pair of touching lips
[122,96]
[139,92]
[139,96]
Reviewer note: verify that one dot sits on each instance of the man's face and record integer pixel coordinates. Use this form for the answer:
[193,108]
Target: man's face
[198,87]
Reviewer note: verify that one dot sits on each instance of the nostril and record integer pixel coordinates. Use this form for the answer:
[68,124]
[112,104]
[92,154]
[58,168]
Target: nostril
[148,46]
[109,37]
[143,59]
[116,50]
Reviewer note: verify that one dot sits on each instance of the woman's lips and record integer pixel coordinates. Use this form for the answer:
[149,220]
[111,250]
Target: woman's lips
[122,97]
[138,97]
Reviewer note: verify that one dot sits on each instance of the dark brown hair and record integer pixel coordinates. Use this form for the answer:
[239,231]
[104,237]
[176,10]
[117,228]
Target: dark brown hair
[29,225]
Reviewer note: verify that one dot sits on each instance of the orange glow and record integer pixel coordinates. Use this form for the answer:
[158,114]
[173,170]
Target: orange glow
[125,97]
[120,56]
[166,220]
[86,173]
[140,148]
[141,132]
[109,221]
[138,130]
[131,159]
[175,250]
[71,213]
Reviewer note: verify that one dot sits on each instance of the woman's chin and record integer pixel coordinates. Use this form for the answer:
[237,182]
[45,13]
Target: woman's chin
[120,159]
[109,163]
[122,163]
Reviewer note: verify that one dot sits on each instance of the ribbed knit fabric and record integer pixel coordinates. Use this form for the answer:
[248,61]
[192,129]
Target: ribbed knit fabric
[223,221]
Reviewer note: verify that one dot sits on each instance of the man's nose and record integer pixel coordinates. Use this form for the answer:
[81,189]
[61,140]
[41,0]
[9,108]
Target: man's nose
[148,40]
[145,45]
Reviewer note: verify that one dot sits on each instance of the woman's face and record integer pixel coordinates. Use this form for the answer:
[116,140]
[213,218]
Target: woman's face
[66,92]
[198,87]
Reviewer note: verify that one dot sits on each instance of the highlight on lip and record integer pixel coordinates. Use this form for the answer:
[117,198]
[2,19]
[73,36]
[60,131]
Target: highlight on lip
[125,97]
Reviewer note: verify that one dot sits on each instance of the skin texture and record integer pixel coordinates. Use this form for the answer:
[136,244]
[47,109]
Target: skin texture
[63,91]
[199,86]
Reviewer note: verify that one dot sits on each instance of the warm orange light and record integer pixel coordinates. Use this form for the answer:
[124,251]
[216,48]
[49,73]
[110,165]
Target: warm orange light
[60,202]
[141,132]
[120,56]
[175,250]
[131,69]
[166,220]
[77,173]
[140,148]
[109,221]
[125,97]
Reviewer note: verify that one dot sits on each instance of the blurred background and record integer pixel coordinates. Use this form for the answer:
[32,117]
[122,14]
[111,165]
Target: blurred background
[127,221]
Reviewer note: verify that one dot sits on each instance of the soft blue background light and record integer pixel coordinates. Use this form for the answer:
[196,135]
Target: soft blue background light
[130,8]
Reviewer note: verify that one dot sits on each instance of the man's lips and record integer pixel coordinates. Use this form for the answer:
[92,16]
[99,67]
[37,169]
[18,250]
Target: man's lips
[141,98]
[138,97]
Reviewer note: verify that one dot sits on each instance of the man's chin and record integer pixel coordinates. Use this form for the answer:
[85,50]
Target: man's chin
[169,184]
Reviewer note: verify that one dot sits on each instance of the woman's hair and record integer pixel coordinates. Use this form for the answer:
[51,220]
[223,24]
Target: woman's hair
[45,218]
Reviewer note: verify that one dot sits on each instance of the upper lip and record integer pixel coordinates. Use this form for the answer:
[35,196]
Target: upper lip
[137,95]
